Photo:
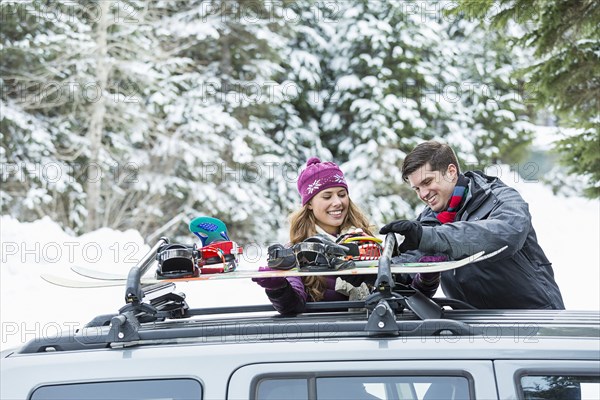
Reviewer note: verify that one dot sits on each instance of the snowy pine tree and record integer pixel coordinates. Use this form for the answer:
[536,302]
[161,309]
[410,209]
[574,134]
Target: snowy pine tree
[488,115]
[405,73]
[134,114]
[215,150]
[45,88]
[80,78]
[562,74]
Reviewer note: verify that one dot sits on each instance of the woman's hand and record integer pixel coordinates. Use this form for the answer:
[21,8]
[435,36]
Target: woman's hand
[270,283]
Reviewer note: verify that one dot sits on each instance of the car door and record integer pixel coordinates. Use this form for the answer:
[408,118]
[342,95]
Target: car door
[367,380]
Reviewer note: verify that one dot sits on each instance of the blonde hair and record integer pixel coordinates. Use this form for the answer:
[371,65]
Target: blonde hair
[303,225]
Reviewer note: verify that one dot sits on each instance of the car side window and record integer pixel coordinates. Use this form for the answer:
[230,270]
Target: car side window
[292,389]
[366,388]
[176,389]
[565,387]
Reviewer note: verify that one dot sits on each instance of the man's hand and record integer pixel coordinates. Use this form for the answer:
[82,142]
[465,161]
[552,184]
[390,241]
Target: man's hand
[411,230]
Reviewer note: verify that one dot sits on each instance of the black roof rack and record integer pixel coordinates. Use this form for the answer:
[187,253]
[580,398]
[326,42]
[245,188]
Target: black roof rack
[154,314]
[226,327]
[382,305]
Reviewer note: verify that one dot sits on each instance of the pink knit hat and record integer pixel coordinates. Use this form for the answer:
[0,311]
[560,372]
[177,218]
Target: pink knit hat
[318,176]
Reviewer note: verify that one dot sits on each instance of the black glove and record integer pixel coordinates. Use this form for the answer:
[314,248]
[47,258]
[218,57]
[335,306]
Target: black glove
[411,230]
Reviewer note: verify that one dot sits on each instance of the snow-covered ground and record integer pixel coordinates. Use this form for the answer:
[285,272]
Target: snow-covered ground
[567,228]
[32,307]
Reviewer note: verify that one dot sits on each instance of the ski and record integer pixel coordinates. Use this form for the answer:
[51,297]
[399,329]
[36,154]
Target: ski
[97,274]
[80,284]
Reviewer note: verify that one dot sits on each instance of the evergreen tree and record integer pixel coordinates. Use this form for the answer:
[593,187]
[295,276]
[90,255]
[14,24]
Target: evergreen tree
[405,73]
[155,112]
[220,104]
[44,93]
[486,113]
[303,92]
[94,70]
[374,115]
[563,75]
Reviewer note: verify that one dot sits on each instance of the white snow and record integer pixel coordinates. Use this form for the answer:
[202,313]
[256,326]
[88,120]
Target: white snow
[30,307]
[567,228]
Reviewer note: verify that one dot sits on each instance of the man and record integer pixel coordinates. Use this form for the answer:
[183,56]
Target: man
[469,213]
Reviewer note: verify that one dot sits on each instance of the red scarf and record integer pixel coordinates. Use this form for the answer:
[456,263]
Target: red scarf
[458,195]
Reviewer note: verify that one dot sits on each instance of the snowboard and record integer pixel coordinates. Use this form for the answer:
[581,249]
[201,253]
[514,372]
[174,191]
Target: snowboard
[218,254]
[102,279]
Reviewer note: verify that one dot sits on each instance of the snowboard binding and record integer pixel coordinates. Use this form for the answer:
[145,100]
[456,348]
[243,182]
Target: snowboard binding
[219,257]
[318,253]
[218,253]
[280,257]
[177,261]
[362,247]
[209,230]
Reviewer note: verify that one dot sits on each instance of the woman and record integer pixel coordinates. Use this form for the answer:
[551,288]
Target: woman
[326,210]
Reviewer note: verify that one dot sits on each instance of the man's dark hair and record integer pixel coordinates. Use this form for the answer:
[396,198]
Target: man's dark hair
[438,155]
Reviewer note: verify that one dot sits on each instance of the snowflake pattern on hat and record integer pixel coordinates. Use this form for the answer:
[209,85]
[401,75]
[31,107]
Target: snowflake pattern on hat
[313,186]
[318,183]
[339,178]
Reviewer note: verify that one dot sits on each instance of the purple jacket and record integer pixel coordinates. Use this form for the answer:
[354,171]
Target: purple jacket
[292,298]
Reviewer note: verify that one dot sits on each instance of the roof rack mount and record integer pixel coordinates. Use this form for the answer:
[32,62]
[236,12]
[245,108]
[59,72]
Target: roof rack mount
[385,303]
[161,302]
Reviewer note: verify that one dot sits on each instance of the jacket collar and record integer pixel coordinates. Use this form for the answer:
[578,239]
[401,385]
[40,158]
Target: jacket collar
[480,187]
[321,231]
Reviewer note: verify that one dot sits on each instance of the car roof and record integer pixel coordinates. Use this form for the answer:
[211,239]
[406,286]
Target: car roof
[208,325]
